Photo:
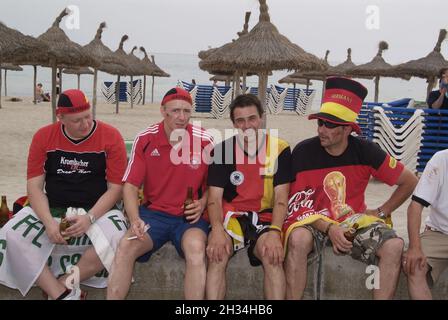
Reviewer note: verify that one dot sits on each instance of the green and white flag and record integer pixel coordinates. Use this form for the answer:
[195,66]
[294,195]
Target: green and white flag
[25,248]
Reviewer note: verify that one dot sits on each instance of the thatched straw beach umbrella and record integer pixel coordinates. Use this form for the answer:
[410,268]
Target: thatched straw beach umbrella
[377,68]
[78,71]
[140,69]
[148,70]
[66,53]
[109,62]
[157,72]
[293,80]
[203,54]
[427,67]
[10,67]
[17,48]
[262,50]
[124,69]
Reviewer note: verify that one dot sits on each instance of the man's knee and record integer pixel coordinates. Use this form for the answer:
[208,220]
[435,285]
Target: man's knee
[300,241]
[392,248]
[194,249]
[131,248]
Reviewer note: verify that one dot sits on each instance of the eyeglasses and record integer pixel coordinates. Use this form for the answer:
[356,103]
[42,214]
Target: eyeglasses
[328,124]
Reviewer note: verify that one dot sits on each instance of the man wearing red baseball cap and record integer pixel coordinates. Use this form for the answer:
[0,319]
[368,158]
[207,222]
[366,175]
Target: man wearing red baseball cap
[167,160]
[331,173]
[74,170]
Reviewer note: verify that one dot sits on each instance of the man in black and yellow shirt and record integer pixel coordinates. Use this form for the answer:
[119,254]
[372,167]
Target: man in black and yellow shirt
[248,192]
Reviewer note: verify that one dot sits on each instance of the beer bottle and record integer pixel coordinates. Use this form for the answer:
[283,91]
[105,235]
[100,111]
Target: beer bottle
[63,225]
[188,200]
[350,234]
[388,221]
[4,212]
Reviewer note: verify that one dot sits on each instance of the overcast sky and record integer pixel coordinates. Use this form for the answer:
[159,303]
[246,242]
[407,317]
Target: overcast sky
[187,26]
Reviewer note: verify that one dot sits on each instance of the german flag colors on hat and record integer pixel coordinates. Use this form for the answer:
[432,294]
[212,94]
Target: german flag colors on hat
[342,102]
[72,101]
[177,94]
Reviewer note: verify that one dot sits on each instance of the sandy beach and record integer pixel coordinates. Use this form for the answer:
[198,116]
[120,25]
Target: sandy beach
[19,121]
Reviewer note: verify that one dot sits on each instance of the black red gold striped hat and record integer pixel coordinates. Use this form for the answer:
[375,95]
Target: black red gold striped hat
[72,101]
[342,102]
[176,94]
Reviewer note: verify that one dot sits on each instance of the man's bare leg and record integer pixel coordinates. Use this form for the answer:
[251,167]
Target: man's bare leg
[389,267]
[300,244]
[193,246]
[120,276]
[215,288]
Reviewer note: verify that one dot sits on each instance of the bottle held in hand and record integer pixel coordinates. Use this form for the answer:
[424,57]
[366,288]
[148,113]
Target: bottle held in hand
[63,225]
[4,212]
[188,200]
[350,234]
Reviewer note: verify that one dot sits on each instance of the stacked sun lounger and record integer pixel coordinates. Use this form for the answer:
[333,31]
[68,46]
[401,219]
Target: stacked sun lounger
[276,99]
[221,99]
[304,101]
[435,135]
[108,91]
[137,91]
[399,131]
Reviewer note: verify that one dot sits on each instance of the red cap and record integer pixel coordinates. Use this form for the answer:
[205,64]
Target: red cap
[72,101]
[177,94]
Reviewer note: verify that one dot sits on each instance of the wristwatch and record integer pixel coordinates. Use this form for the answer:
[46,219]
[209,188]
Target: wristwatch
[381,213]
[91,217]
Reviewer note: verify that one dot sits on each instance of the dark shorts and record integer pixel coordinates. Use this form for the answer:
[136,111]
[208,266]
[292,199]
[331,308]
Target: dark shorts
[365,245]
[165,227]
[251,233]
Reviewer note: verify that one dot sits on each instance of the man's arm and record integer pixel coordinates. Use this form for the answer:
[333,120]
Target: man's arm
[273,244]
[39,203]
[439,101]
[414,257]
[405,186]
[217,242]
[81,223]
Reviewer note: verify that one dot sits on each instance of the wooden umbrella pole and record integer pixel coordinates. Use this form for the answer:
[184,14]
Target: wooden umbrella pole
[117,94]
[6,86]
[431,81]
[262,83]
[295,96]
[0,87]
[35,84]
[53,90]
[244,81]
[79,81]
[152,90]
[323,90]
[377,87]
[60,80]
[95,79]
[132,92]
[144,89]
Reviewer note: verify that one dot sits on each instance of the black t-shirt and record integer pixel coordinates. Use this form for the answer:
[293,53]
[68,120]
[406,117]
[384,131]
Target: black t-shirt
[433,96]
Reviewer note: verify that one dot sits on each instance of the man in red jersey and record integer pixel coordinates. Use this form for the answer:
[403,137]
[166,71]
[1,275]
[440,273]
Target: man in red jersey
[166,159]
[331,174]
[74,169]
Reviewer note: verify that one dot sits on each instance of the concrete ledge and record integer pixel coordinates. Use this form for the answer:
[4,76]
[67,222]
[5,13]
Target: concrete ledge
[339,277]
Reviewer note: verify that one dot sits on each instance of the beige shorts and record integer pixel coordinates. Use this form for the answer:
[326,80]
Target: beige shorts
[435,247]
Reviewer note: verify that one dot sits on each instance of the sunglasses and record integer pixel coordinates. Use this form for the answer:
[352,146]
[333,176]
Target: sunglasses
[328,124]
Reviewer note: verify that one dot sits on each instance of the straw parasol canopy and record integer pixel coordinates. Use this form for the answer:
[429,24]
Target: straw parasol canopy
[427,67]
[205,53]
[78,71]
[109,63]
[65,53]
[262,50]
[378,67]
[17,48]
[157,72]
[10,67]
[293,80]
